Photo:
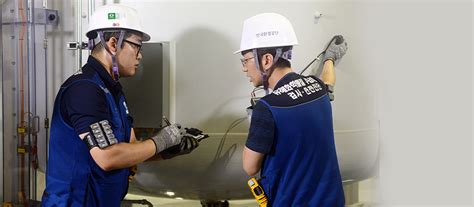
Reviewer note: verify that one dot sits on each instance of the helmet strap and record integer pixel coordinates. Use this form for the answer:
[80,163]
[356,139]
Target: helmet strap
[287,55]
[266,74]
[277,55]
[262,72]
[115,68]
[90,45]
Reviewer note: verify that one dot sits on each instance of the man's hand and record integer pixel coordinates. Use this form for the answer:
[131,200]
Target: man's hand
[187,145]
[336,49]
[196,134]
[167,137]
[133,172]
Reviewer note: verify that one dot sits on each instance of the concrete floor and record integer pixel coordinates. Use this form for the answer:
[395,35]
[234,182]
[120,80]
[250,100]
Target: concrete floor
[367,193]
[367,196]
[169,202]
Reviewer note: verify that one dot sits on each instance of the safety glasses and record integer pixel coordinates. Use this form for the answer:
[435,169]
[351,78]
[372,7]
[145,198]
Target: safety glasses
[245,61]
[135,45]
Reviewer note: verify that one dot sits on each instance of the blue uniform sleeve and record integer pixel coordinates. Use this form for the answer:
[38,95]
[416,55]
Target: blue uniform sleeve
[83,104]
[262,129]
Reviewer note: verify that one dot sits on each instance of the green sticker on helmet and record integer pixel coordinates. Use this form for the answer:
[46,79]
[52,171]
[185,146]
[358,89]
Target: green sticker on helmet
[112,15]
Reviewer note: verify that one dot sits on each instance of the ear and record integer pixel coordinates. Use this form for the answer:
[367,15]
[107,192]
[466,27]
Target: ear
[267,61]
[113,44]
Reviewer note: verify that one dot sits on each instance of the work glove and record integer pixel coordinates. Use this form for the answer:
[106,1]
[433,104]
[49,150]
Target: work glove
[168,137]
[196,134]
[336,49]
[187,145]
[189,142]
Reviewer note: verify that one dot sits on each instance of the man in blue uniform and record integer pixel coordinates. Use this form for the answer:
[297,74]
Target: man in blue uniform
[92,144]
[291,138]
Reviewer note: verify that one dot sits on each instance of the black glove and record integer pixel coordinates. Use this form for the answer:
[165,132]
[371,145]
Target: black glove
[196,134]
[187,145]
[189,142]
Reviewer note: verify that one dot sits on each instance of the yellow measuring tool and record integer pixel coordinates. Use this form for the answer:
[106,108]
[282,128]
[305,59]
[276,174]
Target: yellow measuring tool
[258,192]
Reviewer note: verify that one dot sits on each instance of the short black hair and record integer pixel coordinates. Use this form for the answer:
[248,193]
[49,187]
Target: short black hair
[109,34]
[281,63]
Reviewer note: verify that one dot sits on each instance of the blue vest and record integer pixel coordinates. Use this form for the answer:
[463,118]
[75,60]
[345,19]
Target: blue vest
[72,177]
[302,167]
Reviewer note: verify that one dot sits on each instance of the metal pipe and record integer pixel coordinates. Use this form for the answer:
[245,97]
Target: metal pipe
[15,109]
[79,33]
[21,124]
[1,110]
[90,11]
[31,64]
[45,6]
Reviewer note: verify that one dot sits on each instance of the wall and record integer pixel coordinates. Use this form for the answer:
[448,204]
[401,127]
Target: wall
[425,121]
[421,50]
[211,89]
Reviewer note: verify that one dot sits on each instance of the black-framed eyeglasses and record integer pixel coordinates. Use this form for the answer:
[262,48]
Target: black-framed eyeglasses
[245,60]
[135,45]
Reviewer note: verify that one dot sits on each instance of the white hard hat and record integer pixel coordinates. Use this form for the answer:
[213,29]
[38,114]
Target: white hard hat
[115,16]
[267,30]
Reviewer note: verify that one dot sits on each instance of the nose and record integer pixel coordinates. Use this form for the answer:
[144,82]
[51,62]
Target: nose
[139,57]
[244,69]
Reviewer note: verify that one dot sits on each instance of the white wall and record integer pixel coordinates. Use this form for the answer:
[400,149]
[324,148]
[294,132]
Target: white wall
[61,62]
[211,89]
[409,56]
[421,52]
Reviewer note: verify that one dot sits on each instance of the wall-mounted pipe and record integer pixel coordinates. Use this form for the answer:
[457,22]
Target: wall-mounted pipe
[22,122]
[79,33]
[90,11]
